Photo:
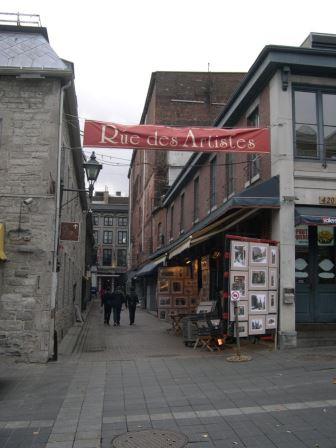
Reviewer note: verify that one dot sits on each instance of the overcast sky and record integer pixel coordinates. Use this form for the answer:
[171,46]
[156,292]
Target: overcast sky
[116,45]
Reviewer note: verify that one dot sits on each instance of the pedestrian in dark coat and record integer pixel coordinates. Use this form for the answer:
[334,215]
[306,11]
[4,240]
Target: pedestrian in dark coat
[118,299]
[107,302]
[131,303]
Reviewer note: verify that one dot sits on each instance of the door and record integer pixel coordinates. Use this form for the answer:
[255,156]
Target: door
[315,273]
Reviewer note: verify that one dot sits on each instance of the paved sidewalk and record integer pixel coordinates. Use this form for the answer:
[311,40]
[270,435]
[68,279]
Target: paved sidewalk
[131,378]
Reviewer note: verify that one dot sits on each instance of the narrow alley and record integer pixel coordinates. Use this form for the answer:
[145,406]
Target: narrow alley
[130,379]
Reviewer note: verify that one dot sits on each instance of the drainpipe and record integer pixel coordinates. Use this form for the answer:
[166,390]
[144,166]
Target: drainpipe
[54,275]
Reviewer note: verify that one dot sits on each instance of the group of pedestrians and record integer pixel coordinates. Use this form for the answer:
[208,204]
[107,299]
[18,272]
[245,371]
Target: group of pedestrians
[113,302]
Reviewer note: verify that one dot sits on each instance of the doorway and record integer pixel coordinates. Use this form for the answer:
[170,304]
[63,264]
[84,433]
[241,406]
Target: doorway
[315,274]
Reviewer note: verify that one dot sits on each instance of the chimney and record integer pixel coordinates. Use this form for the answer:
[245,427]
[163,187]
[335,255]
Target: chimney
[320,40]
[118,193]
[106,195]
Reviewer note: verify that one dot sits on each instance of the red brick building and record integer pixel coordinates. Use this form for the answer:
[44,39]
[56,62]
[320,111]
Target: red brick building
[283,196]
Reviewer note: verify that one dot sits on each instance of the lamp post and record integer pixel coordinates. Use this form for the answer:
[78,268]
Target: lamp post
[92,169]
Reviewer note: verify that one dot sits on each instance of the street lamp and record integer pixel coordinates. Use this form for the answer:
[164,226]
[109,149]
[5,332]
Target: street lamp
[92,169]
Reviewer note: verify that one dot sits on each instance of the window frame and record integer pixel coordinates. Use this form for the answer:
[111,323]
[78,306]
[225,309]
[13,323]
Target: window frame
[110,239]
[182,197]
[213,180]
[124,257]
[108,219]
[196,200]
[95,220]
[122,220]
[120,239]
[253,167]
[104,258]
[318,90]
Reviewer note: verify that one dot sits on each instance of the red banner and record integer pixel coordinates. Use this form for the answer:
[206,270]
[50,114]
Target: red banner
[98,134]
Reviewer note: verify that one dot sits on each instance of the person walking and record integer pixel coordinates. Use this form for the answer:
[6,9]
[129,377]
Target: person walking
[107,301]
[118,299]
[131,303]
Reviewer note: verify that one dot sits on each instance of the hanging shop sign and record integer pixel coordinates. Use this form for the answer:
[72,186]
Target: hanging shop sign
[98,134]
[69,231]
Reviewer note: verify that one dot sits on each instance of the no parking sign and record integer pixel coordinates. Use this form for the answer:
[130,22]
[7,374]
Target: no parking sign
[235,296]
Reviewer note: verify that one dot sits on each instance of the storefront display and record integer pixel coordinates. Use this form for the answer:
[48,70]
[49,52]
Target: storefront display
[253,273]
[177,291]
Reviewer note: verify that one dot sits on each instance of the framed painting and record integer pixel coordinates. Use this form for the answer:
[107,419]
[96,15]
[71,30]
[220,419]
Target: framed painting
[273,278]
[258,278]
[242,330]
[163,286]
[273,301]
[164,302]
[273,256]
[239,255]
[163,314]
[194,301]
[189,291]
[258,302]
[242,311]
[167,272]
[256,325]
[205,307]
[177,287]
[259,254]
[239,282]
[271,322]
[180,302]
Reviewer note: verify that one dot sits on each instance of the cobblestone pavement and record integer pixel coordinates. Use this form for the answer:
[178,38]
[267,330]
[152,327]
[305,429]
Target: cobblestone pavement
[132,378]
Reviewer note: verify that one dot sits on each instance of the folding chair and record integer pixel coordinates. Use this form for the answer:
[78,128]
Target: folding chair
[204,337]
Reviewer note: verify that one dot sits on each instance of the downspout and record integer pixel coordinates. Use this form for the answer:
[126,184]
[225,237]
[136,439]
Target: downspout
[54,277]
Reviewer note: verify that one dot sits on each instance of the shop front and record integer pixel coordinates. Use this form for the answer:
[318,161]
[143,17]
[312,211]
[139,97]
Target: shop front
[315,265]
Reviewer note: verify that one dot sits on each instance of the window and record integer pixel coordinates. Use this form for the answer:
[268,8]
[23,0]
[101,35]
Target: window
[315,124]
[95,236]
[121,257]
[196,199]
[253,160]
[160,236]
[171,221]
[182,213]
[122,237]
[95,220]
[213,167]
[107,257]
[108,221]
[122,221]
[229,174]
[108,237]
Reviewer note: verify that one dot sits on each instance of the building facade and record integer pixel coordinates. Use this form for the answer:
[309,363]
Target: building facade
[176,99]
[285,196]
[41,277]
[110,230]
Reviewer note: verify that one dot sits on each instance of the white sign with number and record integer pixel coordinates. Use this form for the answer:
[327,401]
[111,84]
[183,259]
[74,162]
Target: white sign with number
[235,296]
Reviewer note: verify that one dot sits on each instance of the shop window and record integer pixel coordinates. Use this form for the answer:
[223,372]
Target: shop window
[253,160]
[107,257]
[213,169]
[315,124]
[196,199]
[122,237]
[108,237]
[108,221]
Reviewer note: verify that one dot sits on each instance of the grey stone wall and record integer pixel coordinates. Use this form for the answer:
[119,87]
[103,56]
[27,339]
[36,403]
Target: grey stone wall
[29,111]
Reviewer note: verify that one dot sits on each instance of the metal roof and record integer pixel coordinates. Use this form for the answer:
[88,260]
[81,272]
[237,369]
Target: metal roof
[22,50]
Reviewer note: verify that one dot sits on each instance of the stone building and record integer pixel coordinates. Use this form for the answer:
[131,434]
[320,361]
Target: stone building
[110,230]
[40,278]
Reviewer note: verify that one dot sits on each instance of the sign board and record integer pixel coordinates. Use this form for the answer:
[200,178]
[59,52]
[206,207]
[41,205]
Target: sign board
[327,200]
[69,231]
[235,296]
[98,134]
